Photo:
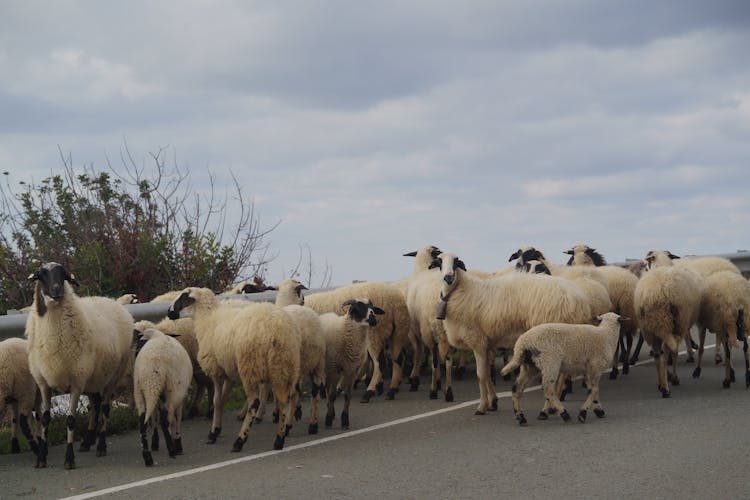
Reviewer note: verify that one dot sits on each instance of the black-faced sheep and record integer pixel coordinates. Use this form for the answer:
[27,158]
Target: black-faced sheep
[255,344]
[161,378]
[18,391]
[346,351]
[77,345]
[551,349]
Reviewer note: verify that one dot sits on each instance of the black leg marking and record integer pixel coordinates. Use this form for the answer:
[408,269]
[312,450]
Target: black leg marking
[238,444]
[449,395]
[582,416]
[312,429]
[278,443]
[344,420]
[367,396]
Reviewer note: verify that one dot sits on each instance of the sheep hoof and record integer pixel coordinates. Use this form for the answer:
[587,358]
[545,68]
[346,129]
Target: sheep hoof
[344,420]
[14,446]
[367,396]
[148,459]
[238,444]
[673,379]
[614,373]
[599,412]
[731,376]
[718,360]
[460,372]
[101,452]
[625,369]
[697,372]
[413,384]
[449,395]
[552,411]
[278,443]
[479,412]
[379,388]
[633,360]
[726,383]
[275,417]
[665,393]
[329,420]
[433,394]
[521,419]
[581,416]
[40,464]
[542,416]
[298,413]
[312,429]
[213,435]
[70,461]
[565,415]
[178,446]
[391,394]
[493,406]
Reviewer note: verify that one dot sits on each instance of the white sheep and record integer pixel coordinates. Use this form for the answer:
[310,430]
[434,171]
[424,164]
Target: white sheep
[161,377]
[553,348]
[621,288]
[483,315]
[313,346]
[725,305]
[18,391]
[423,293]
[346,351]
[76,345]
[391,334]
[255,344]
[667,303]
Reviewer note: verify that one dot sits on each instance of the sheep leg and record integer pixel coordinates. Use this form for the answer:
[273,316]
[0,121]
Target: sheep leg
[435,366]
[317,388]
[293,404]
[89,438]
[46,398]
[282,394]
[101,446]
[527,373]
[446,353]
[483,376]
[637,352]
[166,420]
[247,422]
[262,400]
[717,352]
[348,388]
[70,460]
[222,388]
[690,345]
[661,368]
[177,429]
[15,447]
[728,370]
[143,426]
[331,382]
[491,392]
[672,376]
[616,358]
[550,374]
[701,348]
[417,360]
[625,354]
[26,430]
[461,368]
[375,353]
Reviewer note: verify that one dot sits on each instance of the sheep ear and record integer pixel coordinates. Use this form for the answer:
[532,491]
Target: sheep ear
[72,279]
[33,276]
[570,260]
[410,254]
[435,263]
[515,256]
[349,302]
[671,255]
[569,252]
[377,310]
[460,264]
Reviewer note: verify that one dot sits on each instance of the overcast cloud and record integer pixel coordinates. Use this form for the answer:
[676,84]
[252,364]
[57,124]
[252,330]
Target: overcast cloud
[373,128]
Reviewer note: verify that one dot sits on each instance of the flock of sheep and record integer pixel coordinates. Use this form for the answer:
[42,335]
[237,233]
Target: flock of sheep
[556,321]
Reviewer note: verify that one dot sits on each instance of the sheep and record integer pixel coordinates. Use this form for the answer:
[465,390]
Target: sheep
[256,286]
[184,331]
[621,289]
[483,315]
[161,377]
[667,303]
[553,348]
[391,333]
[76,345]
[255,344]
[724,306]
[346,351]
[423,293]
[313,347]
[18,390]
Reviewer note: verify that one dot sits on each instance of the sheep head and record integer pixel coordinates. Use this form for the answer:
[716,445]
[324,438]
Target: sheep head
[362,310]
[525,254]
[583,254]
[182,307]
[659,258]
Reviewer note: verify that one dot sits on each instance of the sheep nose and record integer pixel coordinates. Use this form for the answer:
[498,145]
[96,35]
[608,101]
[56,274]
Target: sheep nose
[172,314]
[448,278]
[56,291]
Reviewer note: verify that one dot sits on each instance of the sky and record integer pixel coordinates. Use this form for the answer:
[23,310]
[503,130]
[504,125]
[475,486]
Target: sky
[369,129]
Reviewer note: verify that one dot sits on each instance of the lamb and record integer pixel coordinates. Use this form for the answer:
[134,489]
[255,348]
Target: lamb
[553,348]
[313,347]
[346,351]
[391,334]
[183,330]
[161,377]
[18,390]
[255,344]
[483,315]
[76,345]
[621,289]
[724,307]
[667,302]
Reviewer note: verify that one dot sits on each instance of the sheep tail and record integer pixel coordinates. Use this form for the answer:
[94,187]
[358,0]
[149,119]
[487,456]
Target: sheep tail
[514,363]
[673,342]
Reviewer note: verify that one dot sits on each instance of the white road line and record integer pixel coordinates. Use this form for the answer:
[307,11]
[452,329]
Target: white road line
[308,444]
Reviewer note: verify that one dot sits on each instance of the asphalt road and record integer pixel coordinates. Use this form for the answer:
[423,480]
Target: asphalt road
[695,444]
